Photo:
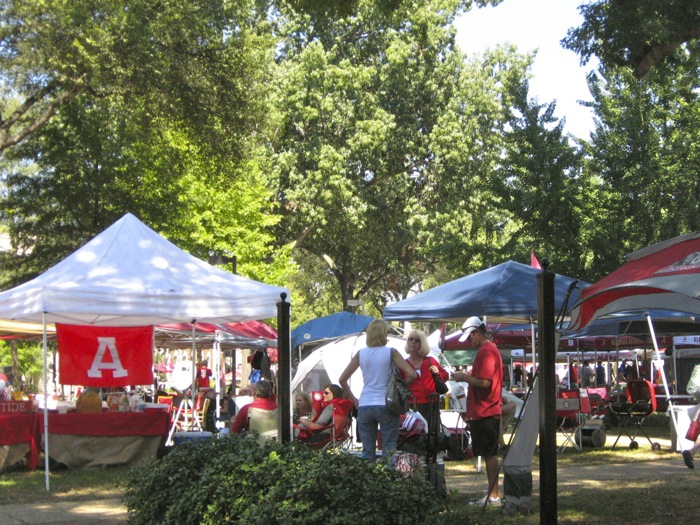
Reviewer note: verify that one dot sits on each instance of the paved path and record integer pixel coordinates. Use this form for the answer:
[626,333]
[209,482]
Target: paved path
[89,512]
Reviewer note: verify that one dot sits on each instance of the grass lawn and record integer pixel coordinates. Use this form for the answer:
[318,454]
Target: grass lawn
[661,498]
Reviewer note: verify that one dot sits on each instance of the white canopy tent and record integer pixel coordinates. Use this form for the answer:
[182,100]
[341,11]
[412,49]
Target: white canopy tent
[325,364]
[130,276]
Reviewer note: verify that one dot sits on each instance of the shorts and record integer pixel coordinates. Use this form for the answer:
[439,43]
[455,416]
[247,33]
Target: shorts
[484,434]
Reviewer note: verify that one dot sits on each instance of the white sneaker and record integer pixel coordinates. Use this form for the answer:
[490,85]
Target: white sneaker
[486,500]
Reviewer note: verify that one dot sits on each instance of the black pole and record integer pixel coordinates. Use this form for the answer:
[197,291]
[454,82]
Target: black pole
[548,422]
[284,369]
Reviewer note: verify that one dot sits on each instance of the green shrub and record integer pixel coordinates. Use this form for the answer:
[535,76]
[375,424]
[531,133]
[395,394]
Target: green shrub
[237,480]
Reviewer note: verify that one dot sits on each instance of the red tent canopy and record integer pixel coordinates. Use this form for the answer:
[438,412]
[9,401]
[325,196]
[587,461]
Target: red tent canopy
[663,276]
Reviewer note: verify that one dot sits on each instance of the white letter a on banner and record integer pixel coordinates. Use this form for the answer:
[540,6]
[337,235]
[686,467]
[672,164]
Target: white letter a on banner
[98,364]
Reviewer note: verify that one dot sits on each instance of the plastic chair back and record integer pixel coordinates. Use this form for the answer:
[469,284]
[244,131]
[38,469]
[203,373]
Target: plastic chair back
[641,393]
[569,404]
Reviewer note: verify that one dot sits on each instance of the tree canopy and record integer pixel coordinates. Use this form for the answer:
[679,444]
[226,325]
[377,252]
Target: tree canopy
[349,150]
[639,35]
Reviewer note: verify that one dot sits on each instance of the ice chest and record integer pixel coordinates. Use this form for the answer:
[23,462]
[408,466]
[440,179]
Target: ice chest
[184,437]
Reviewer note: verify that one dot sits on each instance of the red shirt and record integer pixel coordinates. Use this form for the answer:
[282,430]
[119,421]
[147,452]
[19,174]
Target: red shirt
[486,402]
[241,422]
[203,375]
[423,385]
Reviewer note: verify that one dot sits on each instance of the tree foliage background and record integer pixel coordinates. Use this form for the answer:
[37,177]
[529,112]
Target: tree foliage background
[348,150]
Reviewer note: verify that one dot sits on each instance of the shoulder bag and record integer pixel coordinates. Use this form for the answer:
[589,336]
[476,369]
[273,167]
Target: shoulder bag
[397,394]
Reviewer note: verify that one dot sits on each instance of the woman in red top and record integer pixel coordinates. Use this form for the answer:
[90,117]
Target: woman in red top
[426,367]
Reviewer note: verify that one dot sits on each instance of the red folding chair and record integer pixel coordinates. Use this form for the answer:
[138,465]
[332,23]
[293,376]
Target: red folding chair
[641,403]
[337,433]
[573,408]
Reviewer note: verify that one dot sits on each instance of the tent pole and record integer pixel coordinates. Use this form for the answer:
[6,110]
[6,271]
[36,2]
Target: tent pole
[675,367]
[663,374]
[46,405]
[193,396]
[217,361]
[532,332]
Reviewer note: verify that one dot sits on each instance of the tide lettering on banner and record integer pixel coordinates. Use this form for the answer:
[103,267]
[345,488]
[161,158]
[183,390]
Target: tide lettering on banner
[99,364]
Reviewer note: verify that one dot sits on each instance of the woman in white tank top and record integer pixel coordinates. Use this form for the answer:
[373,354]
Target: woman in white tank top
[375,362]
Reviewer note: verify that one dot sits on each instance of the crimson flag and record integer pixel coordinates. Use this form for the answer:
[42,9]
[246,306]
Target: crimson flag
[105,356]
[534,262]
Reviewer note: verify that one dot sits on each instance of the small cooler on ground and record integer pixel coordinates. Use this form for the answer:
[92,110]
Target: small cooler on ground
[180,438]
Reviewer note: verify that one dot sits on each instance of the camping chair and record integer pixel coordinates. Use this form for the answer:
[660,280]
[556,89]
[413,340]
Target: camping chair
[339,428]
[573,407]
[641,402]
[186,419]
[264,422]
[201,415]
[168,400]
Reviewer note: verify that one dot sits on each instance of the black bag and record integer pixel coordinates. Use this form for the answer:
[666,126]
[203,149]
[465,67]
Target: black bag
[397,394]
[440,386]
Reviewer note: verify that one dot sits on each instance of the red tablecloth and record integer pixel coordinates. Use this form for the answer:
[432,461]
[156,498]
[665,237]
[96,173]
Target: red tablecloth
[22,428]
[109,424]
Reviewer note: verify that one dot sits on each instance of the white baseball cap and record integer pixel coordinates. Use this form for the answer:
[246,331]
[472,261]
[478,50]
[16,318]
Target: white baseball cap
[469,326]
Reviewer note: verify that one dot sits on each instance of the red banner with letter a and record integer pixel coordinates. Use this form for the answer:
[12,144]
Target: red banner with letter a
[105,356]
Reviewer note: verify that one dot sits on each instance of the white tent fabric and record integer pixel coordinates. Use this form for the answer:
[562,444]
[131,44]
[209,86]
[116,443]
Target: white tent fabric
[325,364]
[131,276]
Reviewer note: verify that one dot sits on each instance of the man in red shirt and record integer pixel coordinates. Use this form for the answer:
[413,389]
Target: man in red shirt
[484,402]
[203,376]
[262,398]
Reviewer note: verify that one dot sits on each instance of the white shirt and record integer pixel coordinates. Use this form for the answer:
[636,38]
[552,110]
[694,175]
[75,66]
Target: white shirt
[376,363]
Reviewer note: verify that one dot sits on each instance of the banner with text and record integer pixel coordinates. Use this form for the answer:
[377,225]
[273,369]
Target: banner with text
[105,356]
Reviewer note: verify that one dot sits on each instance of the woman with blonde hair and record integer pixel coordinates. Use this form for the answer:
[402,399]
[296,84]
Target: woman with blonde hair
[303,407]
[377,362]
[427,369]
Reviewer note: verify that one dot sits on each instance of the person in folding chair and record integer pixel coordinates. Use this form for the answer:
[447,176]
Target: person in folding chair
[484,397]
[262,400]
[319,428]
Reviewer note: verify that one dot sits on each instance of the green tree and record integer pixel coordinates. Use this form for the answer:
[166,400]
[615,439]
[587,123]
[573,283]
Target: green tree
[460,217]
[542,187]
[91,165]
[644,152]
[368,109]
[197,63]
[639,35]
[26,360]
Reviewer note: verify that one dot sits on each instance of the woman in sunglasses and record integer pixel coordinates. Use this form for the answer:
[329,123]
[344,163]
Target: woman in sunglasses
[307,425]
[418,348]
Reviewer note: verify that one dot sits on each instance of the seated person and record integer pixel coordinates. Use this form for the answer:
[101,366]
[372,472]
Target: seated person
[262,398]
[308,427]
[303,407]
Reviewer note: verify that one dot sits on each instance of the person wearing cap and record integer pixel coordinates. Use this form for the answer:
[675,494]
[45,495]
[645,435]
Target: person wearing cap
[484,396]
